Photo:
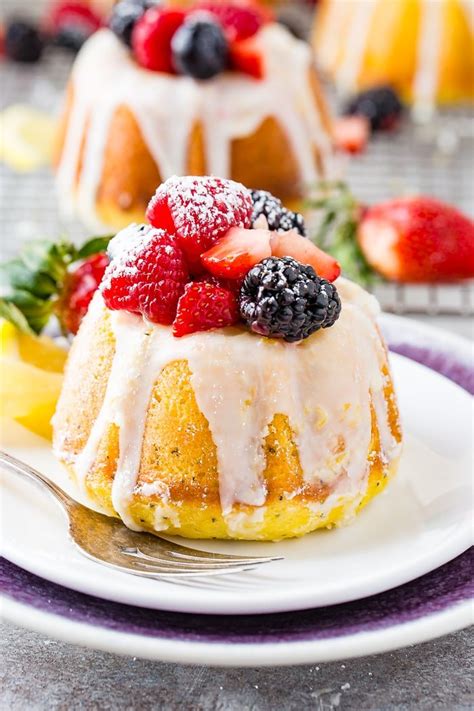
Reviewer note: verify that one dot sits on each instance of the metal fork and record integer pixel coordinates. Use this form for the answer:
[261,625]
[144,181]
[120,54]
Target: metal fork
[106,540]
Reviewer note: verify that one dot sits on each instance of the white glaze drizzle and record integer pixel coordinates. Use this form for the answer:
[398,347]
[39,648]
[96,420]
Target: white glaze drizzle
[325,385]
[425,81]
[166,108]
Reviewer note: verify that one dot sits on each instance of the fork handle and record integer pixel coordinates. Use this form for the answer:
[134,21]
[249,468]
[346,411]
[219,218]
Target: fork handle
[17,467]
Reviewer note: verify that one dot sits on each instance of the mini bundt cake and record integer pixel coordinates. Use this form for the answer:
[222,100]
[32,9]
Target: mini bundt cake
[252,111]
[253,401]
[423,48]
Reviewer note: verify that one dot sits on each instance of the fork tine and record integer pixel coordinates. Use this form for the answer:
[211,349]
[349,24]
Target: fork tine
[178,550]
[181,558]
[197,563]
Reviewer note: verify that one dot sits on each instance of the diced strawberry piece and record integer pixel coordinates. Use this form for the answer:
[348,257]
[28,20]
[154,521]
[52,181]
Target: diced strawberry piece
[80,287]
[246,56]
[204,306]
[240,20]
[236,253]
[292,244]
[199,210]
[418,239]
[351,133]
[152,35]
[148,277]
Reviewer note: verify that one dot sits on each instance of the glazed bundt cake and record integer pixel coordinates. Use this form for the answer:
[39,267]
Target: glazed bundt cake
[251,401]
[423,48]
[253,111]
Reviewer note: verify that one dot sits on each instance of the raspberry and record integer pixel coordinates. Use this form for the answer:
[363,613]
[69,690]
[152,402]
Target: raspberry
[281,298]
[204,306]
[147,276]
[199,210]
[240,20]
[152,35]
[80,287]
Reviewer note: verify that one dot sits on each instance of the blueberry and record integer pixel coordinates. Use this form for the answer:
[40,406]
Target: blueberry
[23,42]
[124,16]
[200,48]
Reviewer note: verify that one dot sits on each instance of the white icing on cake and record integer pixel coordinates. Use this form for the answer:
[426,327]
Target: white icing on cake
[325,385]
[230,106]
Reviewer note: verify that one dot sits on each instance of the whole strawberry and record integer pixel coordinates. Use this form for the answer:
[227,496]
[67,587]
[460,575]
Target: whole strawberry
[418,239]
[80,285]
[199,211]
[147,276]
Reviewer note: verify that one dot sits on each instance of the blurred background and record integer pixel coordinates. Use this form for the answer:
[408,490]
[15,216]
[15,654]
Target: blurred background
[430,150]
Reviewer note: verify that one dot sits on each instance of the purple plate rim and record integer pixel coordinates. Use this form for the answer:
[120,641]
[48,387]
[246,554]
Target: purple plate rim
[431,594]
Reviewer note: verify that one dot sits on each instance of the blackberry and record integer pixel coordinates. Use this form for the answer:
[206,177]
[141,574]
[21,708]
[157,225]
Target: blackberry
[200,48]
[282,298]
[279,218]
[124,17]
[381,106]
[70,38]
[23,42]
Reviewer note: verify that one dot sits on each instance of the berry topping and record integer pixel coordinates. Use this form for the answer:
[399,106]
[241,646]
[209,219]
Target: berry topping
[381,106]
[351,133]
[80,286]
[277,217]
[71,23]
[282,298]
[204,306]
[292,244]
[199,47]
[23,42]
[240,20]
[152,35]
[237,252]
[199,210]
[124,17]
[246,57]
[147,276]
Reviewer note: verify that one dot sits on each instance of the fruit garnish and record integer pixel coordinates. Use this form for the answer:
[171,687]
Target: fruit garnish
[80,286]
[71,23]
[380,106]
[27,137]
[147,278]
[199,47]
[240,19]
[32,368]
[282,298]
[152,35]
[125,14]
[418,239]
[23,42]
[199,211]
[246,57]
[292,244]
[205,306]
[34,283]
[351,133]
[276,216]
[237,252]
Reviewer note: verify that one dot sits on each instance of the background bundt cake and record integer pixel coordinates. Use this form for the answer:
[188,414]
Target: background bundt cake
[135,116]
[421,47]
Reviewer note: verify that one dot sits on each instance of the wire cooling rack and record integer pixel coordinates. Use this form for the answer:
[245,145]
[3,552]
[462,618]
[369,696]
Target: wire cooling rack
[435,158]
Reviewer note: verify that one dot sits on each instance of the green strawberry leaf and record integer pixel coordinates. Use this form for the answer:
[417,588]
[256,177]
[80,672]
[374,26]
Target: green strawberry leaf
[12,313]
[95,245]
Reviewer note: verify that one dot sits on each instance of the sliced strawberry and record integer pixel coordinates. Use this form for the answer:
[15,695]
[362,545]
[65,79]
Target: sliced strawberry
[292,244]
[351,133]
[246,56]
[240,19]
[240,250]
[152,35]
[418,239]
[79,288]
[204,306]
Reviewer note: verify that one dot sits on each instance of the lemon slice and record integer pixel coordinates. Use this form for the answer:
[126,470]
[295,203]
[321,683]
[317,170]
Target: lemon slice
[26,137]
[30,378]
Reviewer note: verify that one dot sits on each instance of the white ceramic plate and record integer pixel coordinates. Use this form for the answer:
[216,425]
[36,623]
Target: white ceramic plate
[421,521]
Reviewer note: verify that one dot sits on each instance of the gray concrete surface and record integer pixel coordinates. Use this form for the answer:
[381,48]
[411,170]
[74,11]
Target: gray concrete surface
[39,674]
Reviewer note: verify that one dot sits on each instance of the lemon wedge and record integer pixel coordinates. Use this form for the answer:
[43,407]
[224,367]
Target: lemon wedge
[30,378]
[27,137]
